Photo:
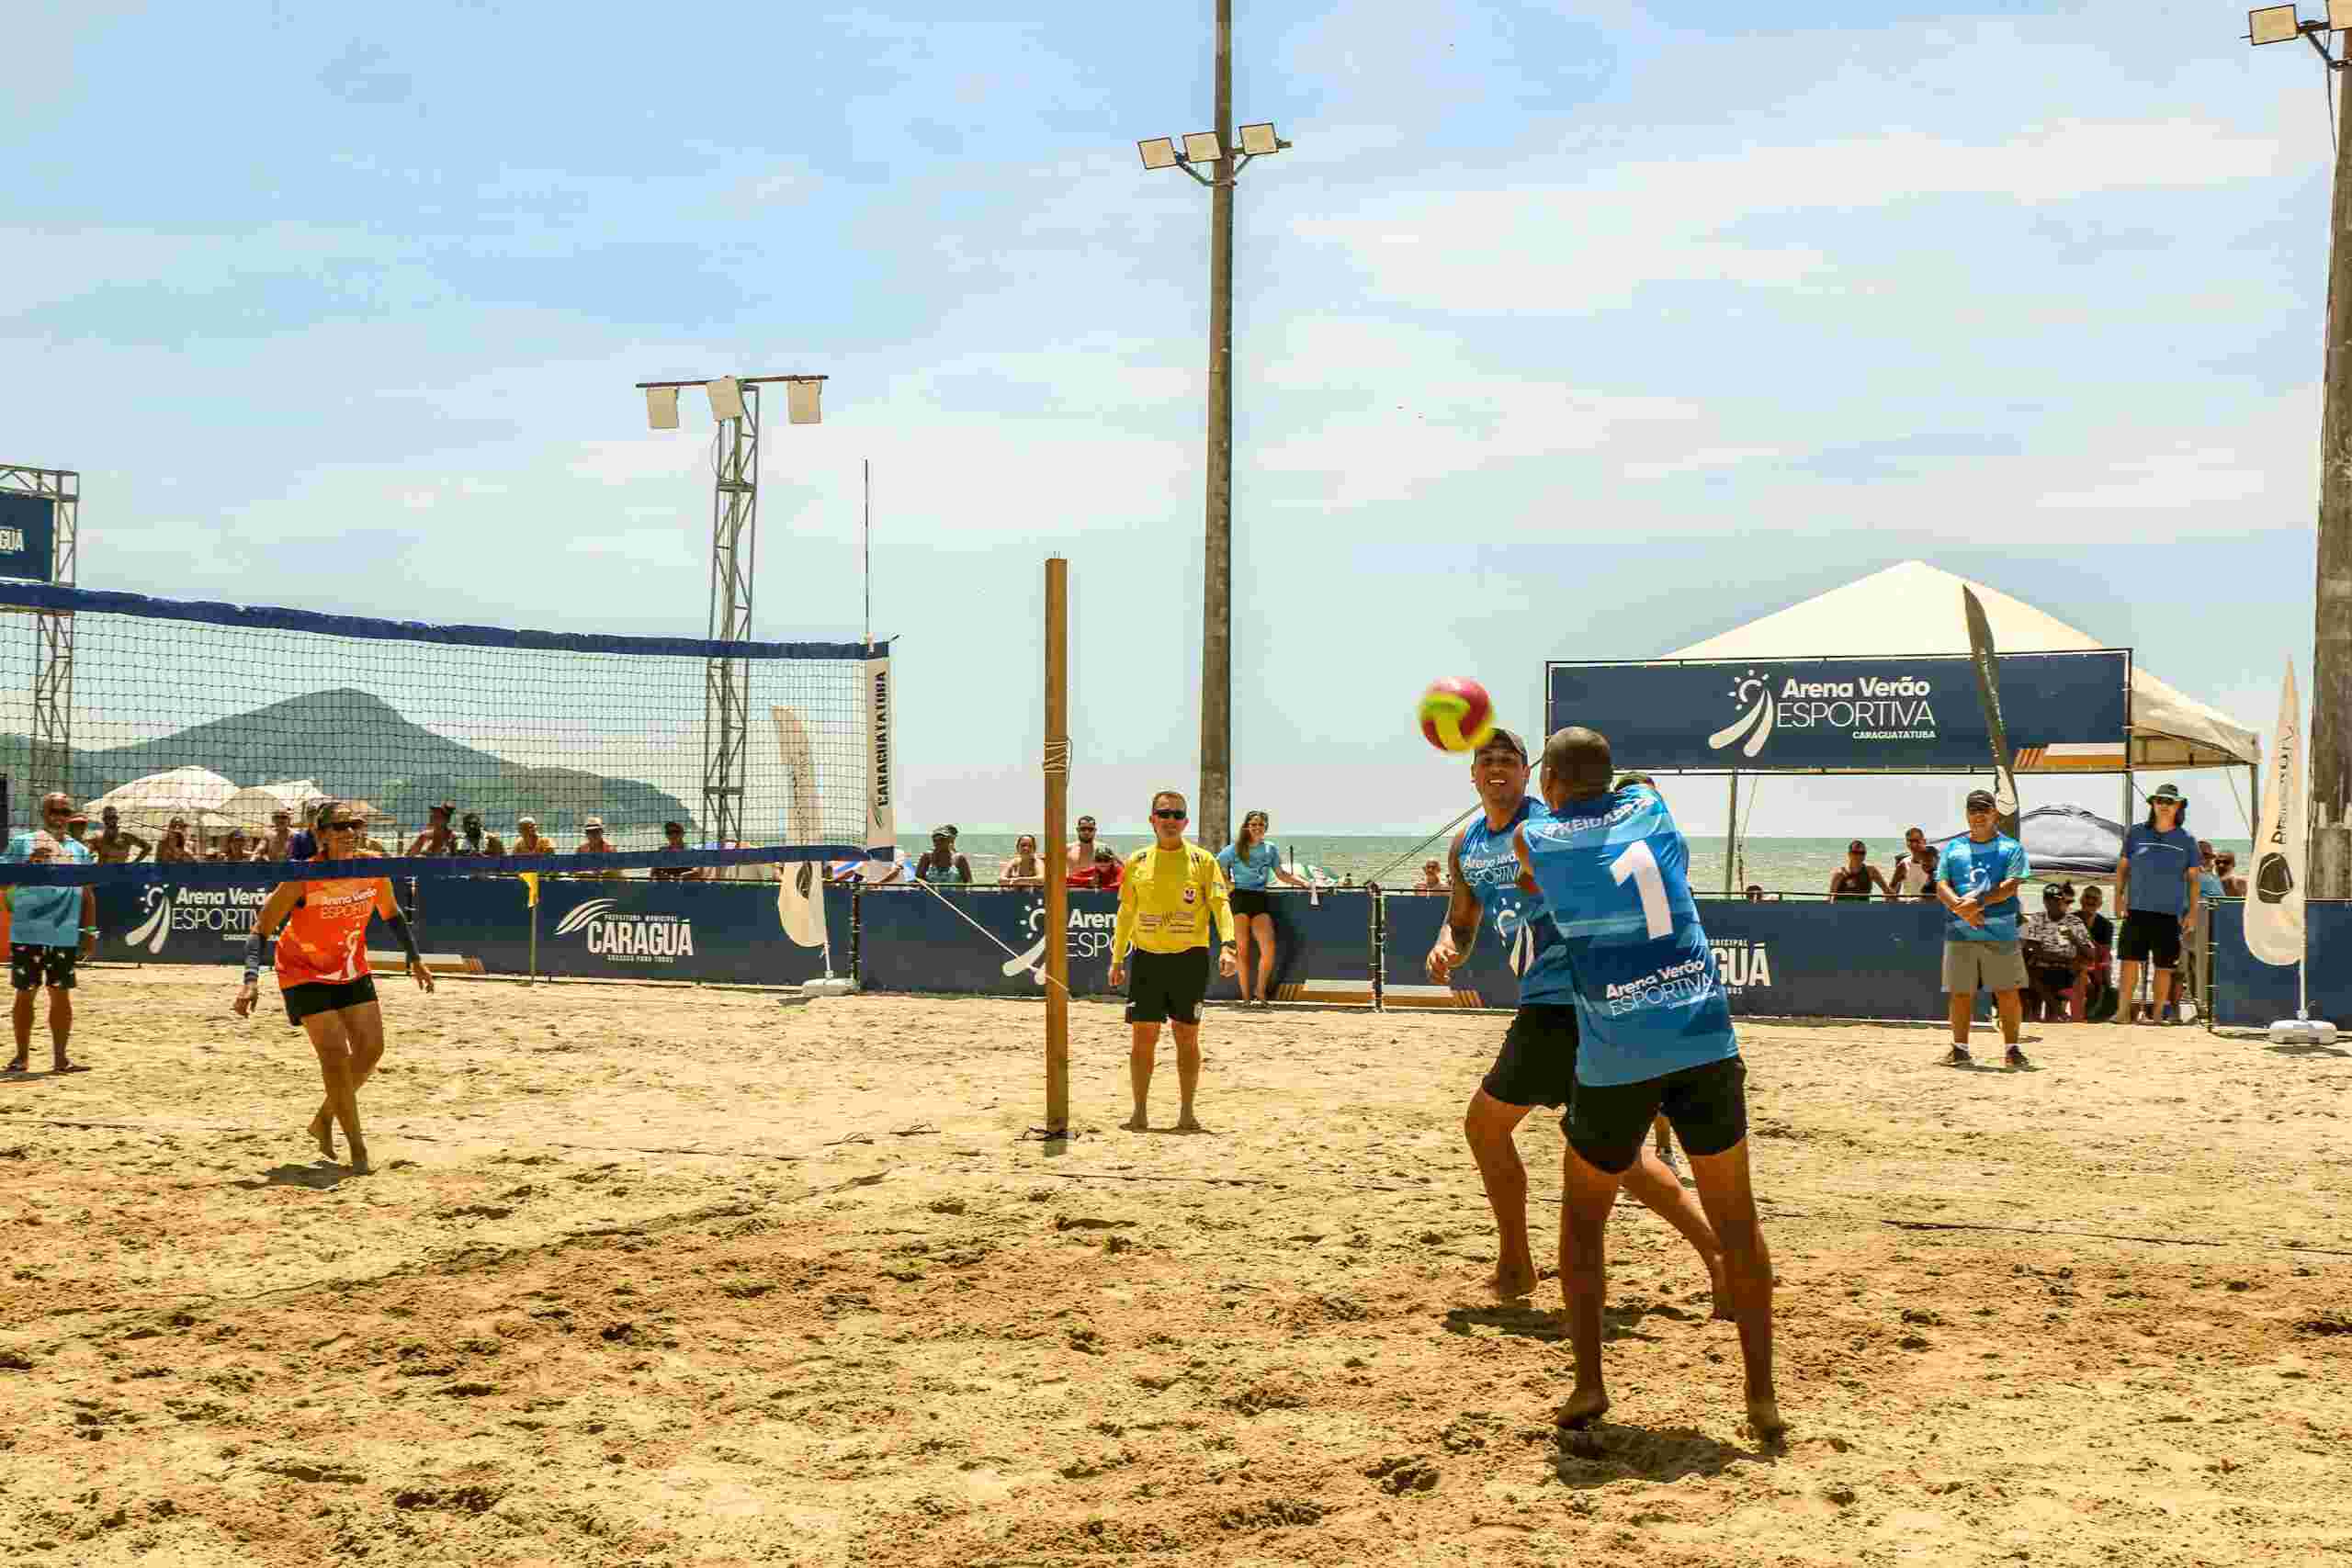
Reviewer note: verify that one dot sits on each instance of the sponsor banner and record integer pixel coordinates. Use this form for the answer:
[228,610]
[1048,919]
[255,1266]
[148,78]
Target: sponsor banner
[1773,960]
[912,942]
[1912,714]
[28,532]
[881,806]
[2251,993]
[170,923]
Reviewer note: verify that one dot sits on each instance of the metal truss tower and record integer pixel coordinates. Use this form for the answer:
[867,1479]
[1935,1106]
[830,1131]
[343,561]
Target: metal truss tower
[52,694]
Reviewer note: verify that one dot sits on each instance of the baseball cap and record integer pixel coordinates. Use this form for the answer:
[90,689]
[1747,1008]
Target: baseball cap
[2166,792]
[1977,797]
[943,832]
[1505,737]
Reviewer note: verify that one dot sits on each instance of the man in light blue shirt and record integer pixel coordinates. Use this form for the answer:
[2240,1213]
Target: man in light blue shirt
[50,930]
[1976,882]
[2157,890]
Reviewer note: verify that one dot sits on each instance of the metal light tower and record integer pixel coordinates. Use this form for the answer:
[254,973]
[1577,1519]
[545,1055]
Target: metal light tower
[2329,871]
[53,726]
[734,514]
[1213,810]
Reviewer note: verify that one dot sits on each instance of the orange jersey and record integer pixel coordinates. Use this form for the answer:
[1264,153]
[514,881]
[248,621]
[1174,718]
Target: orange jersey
[324,941]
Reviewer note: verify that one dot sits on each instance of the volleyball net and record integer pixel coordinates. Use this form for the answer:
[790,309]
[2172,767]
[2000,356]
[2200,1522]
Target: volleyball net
[198,724]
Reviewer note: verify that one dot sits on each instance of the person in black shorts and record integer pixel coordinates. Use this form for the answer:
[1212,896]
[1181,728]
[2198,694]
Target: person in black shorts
[1169,898]
[51,930]
[1537,1063]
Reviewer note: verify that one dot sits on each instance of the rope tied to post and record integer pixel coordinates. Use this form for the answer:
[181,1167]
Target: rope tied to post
[1056,753]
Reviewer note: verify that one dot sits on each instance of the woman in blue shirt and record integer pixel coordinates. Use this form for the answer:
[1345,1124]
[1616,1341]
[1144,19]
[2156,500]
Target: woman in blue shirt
[1249,863]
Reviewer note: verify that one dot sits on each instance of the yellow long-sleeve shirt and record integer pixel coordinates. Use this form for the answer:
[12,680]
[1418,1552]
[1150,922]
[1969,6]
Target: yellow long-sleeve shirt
[1167,900]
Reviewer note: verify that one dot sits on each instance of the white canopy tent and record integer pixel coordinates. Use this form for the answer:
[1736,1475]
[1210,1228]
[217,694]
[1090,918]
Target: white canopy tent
[1915,608]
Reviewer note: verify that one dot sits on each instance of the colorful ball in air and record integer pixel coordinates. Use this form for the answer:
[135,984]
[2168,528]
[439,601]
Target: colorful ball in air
[1456,715]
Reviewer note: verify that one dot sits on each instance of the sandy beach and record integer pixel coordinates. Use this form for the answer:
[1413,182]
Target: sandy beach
[672,1276]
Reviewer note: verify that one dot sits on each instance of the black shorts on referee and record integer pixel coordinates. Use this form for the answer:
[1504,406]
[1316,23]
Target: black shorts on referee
[1165,987]
[1537,1064]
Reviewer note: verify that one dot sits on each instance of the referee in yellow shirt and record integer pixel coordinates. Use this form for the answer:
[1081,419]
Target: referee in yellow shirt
[1168,896]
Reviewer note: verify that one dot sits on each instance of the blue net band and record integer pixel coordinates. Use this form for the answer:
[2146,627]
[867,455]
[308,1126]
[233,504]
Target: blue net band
[248,874]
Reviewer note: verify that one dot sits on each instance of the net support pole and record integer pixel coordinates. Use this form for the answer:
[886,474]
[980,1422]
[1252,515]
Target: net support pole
[1730,833]
[1057,768]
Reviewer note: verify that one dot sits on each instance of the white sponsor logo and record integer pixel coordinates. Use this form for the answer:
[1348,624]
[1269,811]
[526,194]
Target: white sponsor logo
[1868,708]
[226,912]
[628,938]
[1090,934]
[1677,985]
[12,539]
[1740,965]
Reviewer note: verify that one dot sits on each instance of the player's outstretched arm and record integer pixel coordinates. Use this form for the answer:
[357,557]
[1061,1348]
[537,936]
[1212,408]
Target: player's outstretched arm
[1458,935]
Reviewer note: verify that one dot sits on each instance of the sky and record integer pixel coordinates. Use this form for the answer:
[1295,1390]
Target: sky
[1561,332]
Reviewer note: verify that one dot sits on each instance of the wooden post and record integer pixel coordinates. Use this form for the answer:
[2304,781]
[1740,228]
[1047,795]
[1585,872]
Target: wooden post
[1056,856]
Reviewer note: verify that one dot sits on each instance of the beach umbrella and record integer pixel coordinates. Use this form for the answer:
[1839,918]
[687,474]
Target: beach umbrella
[153,801]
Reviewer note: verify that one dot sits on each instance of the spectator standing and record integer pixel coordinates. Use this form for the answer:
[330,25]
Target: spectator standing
[51,930]
[116,845]
[2156,885]
[234,850]
[594,842]
[1081,850]
[278,844]
[2096,1000]
[436,839]
[1915,868]
[1977,885]
[526,837]
[940,863]
[173,848]
[1104,872]
[2233,884]
[2057,948]
[1851,883]
[1756,893]
[77,827]
[1433,878]
[673,837]
[2208,876]
[1025,869]
[1249,863]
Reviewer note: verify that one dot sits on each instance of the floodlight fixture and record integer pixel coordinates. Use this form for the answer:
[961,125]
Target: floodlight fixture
[1260,139]
[1201,147]
[1158,152]
[803,400]
[2273,23]
[662,408]
[2339,15]
[725,398]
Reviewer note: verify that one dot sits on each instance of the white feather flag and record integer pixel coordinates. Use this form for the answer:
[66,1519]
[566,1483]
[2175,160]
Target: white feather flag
[800,889]
[2274,905]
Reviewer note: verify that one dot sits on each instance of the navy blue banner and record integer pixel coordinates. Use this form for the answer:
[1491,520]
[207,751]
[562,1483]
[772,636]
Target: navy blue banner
[2248,993]
[1778,959]
[912,942]
[27,535]
[715,931]
[1900,714]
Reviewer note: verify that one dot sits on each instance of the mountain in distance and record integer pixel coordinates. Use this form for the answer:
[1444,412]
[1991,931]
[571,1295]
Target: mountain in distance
[358,747]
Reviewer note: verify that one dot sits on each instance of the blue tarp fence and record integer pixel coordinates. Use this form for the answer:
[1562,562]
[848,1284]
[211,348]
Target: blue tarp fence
[1781,959]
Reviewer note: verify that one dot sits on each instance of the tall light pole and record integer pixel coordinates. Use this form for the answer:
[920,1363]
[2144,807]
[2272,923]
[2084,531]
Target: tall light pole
[1212,811]
[734,514]
[2329,872]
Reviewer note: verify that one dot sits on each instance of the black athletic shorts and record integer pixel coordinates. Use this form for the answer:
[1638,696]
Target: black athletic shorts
[1707,1104]
[1249,902]
[321,995]
[1163,986]
[2150,937]
[31,966]
[1537,1064]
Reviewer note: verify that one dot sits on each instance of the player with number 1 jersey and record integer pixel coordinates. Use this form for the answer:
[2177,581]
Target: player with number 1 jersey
[1613,872]
[1537,1063]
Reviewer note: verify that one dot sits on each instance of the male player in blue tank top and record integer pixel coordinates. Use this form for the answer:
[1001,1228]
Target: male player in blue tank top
[1537,1063]
[1613,873]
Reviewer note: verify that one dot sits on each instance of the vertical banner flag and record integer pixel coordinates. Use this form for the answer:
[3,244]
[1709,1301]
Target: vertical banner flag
[1980,654]
[800,886]
[2274,908]
[882,812]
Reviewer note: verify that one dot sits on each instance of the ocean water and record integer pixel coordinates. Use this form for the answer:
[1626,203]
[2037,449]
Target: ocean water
[1800,866]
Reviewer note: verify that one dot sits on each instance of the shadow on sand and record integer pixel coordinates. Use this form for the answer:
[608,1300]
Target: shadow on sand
[1610,1451]
[318,1176]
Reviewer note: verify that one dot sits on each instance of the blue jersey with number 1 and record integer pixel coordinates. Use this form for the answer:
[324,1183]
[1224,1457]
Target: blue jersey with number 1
[1534,949]
[1615,874]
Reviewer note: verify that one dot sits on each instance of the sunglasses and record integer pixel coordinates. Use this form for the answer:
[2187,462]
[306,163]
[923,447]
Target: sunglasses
[1980,811]
[343,827]
[1170,816]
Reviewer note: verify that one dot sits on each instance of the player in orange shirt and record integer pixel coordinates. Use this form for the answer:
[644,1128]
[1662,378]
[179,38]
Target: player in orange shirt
[322,972]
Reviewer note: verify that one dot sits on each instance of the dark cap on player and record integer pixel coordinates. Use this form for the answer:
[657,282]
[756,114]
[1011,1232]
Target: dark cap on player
[1982,798]
[1505,737]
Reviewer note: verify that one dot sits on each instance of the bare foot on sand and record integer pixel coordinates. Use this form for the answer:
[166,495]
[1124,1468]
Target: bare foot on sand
[1764,1416]
[359,1166]
[1513,1282]
[1584,1407]
[1187,1122]
[323,1134]
[1136,1124]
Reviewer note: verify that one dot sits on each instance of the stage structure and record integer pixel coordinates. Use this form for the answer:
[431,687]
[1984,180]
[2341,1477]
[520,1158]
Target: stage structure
[734,517]
[39,531]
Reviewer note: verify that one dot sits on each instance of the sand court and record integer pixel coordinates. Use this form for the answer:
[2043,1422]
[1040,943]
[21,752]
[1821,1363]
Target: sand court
[652,1275]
